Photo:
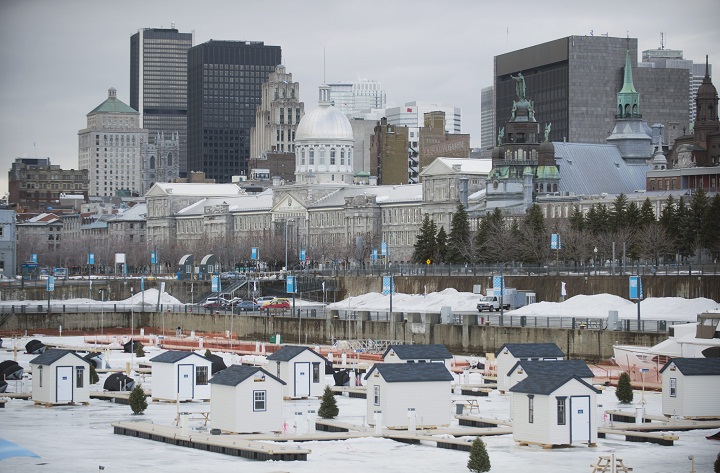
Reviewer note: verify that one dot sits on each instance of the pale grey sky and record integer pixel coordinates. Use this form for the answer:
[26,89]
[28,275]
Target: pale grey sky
[59,58]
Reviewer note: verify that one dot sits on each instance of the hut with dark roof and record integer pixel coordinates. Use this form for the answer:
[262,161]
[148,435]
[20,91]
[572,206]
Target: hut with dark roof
[511,353]
[181,376]
[436,353]
[393,388]
[60,377]
[555,407]
[246,399]
[687,387]
[302,369]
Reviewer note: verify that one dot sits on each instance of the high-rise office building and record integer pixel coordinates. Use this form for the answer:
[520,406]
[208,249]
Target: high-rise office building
[277,117]
[575,80]
[158,83]
[673,59]
[487,116]
[224,91]
[352,98]
[110,148]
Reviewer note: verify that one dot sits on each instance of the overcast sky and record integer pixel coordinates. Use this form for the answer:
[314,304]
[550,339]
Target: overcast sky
[59,58]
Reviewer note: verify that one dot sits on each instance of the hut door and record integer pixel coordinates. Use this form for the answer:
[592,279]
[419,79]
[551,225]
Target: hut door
[579,419]
[186,383]
[302,379]
[64,384]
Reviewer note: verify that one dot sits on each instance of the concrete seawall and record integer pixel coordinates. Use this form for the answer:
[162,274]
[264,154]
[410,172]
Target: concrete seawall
[459,338]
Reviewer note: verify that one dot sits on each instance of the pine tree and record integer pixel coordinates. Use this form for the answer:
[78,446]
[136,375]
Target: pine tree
[647,214]
[137,400]
[711,227]
[716,467]
[624,390]
[328,406]
[618,214]
[94,378]
[479,461]
[577,219]
[459,237]
[695,216]
[441,245]
[208,353]
[139,352]
[424,247]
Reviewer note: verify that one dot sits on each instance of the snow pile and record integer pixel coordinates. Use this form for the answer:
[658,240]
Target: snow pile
[430,303]
[596,306]
[151,298]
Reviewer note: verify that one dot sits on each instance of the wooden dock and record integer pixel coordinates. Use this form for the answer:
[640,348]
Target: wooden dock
[665,439]
[23,396]
[444,441]
[482,422]
[226,444]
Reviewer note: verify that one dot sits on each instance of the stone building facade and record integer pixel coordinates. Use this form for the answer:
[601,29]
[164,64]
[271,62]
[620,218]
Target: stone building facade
[35,184]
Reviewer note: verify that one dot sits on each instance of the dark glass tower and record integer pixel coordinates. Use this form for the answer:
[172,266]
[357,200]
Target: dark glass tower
[224,90]
[158,83]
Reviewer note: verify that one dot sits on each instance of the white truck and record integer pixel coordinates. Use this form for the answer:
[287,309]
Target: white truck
[491,303]
[512,299]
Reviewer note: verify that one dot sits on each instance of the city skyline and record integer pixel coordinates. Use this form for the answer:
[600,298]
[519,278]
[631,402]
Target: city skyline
[79,49]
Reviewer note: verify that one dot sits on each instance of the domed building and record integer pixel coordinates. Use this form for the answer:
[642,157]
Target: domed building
[324,145]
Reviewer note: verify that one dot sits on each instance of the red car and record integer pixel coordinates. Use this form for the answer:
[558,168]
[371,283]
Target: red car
[277,303]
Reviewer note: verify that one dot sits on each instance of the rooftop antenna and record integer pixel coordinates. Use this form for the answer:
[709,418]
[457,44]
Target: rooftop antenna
[35,148]
[324,80]
[662,40]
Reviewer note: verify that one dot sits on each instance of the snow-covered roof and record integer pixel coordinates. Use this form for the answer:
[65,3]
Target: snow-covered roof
[193,189]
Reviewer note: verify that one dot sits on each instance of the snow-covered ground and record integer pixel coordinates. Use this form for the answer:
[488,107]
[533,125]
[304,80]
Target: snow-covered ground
[80,438]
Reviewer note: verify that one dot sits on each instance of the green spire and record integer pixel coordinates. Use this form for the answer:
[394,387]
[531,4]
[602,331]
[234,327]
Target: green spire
[628,99]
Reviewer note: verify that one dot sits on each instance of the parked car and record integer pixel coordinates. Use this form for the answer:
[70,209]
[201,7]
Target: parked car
[215,301]
[263,299]
[247,306]
[232,275]
[276,303]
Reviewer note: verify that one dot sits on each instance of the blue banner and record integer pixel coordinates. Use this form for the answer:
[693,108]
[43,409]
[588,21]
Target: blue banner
[387,285]
[33,258]
[302,255]
[555,242]
[375,254]
[383,249]
[91,258]
[636,287]
[51,283]
[142,283]
[216,284]
[255,253]
[290,284]
[498,285]
[153,257]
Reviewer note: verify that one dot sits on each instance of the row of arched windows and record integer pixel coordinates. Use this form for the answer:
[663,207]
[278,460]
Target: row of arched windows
[324,156]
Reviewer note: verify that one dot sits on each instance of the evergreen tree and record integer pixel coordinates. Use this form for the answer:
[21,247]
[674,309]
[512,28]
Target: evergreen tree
[577,219]
[647,214]
[694,226]
[328,406]
[94,378]
[139,352]
[711,228]
[208,353]
[479,461]
[137,400]
[459,237]
[441,245]
[425,242]
[618,214]
[684,246]
[624,390]
[481,240]
[632,216]
[534,237]
[716,467]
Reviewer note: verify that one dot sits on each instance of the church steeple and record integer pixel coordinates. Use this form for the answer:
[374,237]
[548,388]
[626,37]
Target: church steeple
[628,99]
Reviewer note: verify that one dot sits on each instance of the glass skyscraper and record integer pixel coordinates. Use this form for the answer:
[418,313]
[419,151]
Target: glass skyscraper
[158,83]
[224,91]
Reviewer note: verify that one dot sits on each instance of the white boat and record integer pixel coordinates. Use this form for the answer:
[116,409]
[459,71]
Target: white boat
[693,340]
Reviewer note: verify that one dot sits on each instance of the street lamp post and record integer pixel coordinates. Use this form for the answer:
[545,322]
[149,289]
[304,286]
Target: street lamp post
[287,222]
[102,310]
[595,260]
[132,329]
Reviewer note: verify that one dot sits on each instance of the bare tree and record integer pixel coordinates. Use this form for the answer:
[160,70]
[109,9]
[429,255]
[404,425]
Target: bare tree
[653,242]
